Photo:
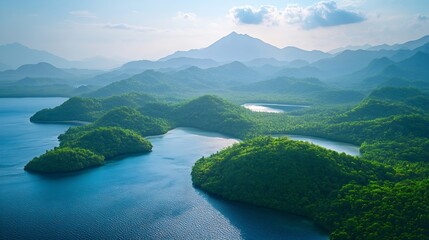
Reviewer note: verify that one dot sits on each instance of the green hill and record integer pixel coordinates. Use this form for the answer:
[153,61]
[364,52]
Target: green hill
[212,113]
[89,109]
[132,119]
[108,141]
[285,85]
[64,159]
[350,197]
[372,109]
[278,173]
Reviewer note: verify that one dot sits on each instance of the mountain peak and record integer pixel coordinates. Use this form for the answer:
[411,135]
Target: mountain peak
[237,38]
[235,34]
[242,47]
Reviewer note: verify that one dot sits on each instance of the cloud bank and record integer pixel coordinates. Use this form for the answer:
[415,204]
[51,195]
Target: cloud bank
[321,14]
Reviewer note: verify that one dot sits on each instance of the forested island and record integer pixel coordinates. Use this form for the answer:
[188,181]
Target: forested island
[382,194]
[88,147]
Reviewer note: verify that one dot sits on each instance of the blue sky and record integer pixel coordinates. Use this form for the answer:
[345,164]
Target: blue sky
[140,29]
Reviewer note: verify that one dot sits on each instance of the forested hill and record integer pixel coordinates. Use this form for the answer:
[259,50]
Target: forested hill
[148,116]
[350,197]
[381,195]
[214,114]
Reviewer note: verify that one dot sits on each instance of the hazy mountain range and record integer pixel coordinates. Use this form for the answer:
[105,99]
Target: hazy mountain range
[236,62]
[15,55]
[242,47]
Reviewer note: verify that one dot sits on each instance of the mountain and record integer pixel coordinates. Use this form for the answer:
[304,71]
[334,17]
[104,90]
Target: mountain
[348,61]
[242,47]
[38,70]
[293,53]
[300,72]
[285,85]
[258,62]
[410,45]
[232,73]
[374,68]
[192,79]
[341,49]
[96,63]
[415,67]
[16,54]
[411,72]
[173,63]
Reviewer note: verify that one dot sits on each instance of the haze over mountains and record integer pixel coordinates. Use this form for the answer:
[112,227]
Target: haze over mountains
[242,47]
[236,62]
[15,55]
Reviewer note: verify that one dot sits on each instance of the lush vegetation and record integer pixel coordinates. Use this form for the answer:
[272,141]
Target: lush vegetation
[64,159]
[214,114]
[279,173]
[109,142]
[117,133]
[380,195]
[132,119]
[351,197]
[147,116]
[89,109]
[84,147]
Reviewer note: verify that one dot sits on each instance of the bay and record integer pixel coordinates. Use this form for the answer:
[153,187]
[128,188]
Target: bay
[146,196]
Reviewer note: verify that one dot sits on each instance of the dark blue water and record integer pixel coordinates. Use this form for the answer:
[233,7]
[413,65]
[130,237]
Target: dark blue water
[141,197]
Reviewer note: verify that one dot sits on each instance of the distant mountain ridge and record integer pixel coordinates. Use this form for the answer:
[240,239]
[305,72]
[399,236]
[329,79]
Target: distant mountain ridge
[174,63]
[242,47]
[15,55]
[409,45]
[38,70]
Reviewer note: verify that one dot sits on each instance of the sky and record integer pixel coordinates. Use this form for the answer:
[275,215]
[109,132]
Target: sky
[140,29]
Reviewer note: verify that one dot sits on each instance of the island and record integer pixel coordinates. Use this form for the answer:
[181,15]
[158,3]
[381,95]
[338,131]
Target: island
[89,147]
[64,159]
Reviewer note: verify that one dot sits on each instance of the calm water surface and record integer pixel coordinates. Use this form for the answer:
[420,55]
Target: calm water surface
[141,197]
[336,146]
[272,107]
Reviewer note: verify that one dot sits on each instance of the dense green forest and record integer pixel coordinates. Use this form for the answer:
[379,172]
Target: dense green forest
[64,159]
[382,194]
[87,146]
[109,142]
[117,133]
[148,116]
[353,198]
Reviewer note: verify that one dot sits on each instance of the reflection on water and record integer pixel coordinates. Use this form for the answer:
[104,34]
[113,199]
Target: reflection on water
[272,107]
[332,145]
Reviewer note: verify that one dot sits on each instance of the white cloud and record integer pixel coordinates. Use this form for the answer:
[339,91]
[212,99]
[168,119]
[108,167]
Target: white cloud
[267,15]
[187,16]
[82,14]
[321,14]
